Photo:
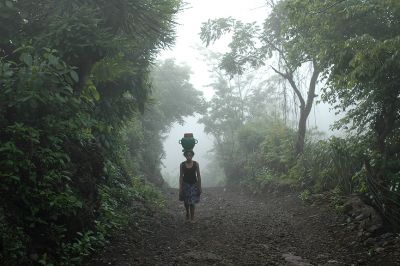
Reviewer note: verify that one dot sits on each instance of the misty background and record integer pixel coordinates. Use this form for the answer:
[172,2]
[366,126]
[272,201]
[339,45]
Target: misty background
[188,50]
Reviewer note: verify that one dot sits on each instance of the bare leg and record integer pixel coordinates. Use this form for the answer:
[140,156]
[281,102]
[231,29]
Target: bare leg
[192,212]
[187,211]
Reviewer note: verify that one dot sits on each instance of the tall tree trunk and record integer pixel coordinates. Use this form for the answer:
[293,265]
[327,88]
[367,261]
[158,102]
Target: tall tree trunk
[305,112]
[305,106]
[301,133]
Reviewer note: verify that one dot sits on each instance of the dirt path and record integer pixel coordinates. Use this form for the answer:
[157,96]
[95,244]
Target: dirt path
[236,229]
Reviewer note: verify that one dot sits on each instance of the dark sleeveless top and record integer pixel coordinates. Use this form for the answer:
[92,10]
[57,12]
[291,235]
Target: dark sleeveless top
[189,174]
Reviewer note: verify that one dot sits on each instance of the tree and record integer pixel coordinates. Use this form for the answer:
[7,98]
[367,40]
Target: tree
[86,31]
[235,103]
[72,73]
[173,98]
[251,47]
[226,112]
[358,43]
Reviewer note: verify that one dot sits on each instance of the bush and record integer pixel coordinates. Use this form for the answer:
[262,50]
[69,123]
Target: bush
[60,197]
[327,164]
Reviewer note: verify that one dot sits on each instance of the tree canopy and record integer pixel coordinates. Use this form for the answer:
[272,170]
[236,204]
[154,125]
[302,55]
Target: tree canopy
[73,76]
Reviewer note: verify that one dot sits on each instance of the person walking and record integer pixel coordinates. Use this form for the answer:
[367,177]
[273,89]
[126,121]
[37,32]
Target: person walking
[189,184]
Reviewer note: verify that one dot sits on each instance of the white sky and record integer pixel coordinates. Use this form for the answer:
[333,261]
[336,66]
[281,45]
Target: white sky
[185,51]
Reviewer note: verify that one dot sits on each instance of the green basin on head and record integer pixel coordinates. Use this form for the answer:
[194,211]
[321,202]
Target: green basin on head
[188,142]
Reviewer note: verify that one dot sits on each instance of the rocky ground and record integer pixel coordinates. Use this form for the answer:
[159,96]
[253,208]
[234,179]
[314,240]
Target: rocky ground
[238,229]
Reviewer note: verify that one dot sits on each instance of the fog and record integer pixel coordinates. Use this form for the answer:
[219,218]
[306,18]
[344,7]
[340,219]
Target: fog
[186,51]
[173,149]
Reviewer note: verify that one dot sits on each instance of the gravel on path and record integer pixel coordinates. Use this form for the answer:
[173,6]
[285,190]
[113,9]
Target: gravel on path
[234,228]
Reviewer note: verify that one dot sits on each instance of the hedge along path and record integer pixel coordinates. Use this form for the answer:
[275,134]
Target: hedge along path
[237,229]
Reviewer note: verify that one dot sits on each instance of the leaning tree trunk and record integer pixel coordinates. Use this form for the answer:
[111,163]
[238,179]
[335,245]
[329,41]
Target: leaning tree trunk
[305,106]
[305,112]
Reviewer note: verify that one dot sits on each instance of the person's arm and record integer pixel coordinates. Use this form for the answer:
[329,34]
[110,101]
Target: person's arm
[198,176]
[180,178]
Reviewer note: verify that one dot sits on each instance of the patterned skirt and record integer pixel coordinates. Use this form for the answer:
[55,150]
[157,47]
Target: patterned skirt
[190,193]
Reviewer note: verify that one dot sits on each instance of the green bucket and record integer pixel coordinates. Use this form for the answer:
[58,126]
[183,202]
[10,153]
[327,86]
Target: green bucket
[188,142]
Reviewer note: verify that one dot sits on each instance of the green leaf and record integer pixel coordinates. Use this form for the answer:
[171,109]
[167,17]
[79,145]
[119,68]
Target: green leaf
[15,178]
[26,98]
[26,58]
[69,89]
[52,59]
[74,75]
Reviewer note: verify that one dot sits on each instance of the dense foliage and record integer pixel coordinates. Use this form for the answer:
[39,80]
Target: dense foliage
[80,135]
[357,44]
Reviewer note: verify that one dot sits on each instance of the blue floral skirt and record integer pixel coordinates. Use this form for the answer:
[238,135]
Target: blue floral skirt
[190,193]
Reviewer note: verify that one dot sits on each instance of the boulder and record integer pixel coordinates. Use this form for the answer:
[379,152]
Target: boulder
[366,215]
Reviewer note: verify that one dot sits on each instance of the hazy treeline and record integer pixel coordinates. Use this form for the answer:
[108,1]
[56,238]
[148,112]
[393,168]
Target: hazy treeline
[80,121]
[351,49]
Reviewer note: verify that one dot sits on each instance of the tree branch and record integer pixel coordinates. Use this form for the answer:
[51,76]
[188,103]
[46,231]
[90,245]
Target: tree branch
[289,77]
[278,72]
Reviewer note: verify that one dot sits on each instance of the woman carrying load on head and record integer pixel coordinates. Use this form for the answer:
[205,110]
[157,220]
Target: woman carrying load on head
[189,184]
